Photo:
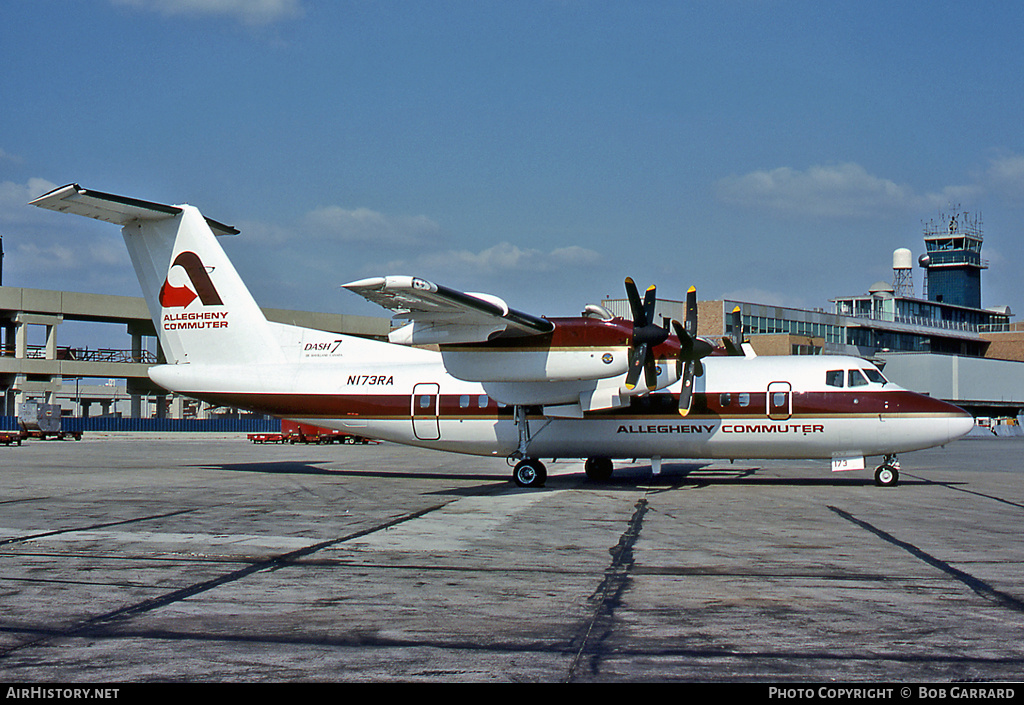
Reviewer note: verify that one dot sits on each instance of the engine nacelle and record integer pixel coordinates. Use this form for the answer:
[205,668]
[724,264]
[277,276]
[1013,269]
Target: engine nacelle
[576,349]
[544,365]
[558,367]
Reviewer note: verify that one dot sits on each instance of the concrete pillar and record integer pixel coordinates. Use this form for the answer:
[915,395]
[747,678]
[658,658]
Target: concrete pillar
[51,342]
[136,350]
[20,340]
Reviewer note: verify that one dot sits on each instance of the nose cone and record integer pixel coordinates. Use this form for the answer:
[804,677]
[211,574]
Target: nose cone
[928,422]
[959,424]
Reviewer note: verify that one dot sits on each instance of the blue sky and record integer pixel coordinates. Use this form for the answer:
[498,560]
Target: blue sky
[538,150]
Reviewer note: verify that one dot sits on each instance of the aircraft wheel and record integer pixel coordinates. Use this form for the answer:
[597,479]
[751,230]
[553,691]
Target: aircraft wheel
[529,473]
[598,469]
[886,476]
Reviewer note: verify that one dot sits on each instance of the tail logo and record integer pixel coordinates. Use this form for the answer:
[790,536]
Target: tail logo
[202,285]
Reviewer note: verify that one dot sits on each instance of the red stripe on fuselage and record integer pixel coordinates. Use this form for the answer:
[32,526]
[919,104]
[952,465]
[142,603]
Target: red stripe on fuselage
[804,404]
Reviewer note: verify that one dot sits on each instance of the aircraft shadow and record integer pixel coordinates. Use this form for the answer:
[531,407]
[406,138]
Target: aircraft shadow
[700,475]
[298,467]
[626,478]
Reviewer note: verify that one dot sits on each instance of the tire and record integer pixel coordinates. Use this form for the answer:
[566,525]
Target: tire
[886,476]
[529,473]
[598,469]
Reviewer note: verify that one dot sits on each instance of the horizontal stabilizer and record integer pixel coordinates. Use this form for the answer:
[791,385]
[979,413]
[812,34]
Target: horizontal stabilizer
[107,207]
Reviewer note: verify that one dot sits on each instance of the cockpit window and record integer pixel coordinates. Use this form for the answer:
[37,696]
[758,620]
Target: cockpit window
[855,378]
[834,378]
[874,375]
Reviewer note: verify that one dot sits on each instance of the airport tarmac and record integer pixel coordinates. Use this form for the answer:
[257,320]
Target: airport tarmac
[138,558]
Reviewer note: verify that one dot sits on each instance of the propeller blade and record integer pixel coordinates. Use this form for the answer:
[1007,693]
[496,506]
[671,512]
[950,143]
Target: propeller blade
[691,350]
[636,364]
[650,370]
[685,346]
[635,307]
[646,336]
[701,348]
[686,391]
[685,340]
[734,342]
[649,303]
[691,311]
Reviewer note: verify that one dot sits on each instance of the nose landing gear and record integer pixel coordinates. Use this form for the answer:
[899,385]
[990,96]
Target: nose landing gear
[888,473]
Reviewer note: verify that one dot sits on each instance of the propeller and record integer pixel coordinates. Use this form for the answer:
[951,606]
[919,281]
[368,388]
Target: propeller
[646,336]
[734,342]
[691,350]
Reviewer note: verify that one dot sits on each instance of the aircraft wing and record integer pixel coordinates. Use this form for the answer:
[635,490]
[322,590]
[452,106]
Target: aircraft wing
[439,315]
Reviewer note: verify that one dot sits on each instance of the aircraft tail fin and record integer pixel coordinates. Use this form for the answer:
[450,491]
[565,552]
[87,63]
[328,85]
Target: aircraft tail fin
[202,311]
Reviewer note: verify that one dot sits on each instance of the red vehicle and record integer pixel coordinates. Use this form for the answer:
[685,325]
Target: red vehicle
[9,437]
[295,432]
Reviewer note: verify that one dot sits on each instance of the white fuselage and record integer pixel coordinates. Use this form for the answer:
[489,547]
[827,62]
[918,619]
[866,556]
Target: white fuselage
[764,407]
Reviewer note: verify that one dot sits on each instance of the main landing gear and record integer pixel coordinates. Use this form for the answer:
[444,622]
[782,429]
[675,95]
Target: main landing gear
[598,469]
[529,472]
[888,473]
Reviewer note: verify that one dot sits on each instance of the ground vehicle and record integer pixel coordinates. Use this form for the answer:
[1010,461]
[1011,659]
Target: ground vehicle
[294,432]
[9,437]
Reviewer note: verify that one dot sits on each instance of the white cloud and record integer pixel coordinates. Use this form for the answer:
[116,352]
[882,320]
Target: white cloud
[842,190]
[365,225]
[849,191]
[501,258]
[14,198]
[248,12]
[336,224]
[8,157]
[58,258]
[1005,176]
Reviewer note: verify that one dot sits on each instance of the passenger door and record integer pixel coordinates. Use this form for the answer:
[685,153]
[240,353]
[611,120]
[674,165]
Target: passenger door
[426,398]
[780,401]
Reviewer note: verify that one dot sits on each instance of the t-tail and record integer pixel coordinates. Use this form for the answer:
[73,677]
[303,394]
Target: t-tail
[202,311]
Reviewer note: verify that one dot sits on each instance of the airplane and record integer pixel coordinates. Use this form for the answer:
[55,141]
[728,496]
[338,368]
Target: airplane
[466,373]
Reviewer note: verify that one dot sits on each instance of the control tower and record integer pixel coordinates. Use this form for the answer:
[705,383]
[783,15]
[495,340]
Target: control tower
[952,261]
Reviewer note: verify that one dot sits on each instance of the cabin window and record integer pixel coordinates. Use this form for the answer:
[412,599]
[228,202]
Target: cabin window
[725,399]
[778,400]
[874,375]
[743,399]
[464,401]
[834,378]
[482,401]
[855,379]
[424,401]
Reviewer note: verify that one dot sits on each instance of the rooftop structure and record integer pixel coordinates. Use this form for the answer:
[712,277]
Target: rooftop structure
[952,261]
